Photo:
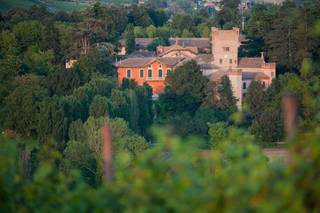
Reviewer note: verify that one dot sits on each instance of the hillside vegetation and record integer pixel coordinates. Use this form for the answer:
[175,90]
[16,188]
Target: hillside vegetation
[54,5]
[77,140]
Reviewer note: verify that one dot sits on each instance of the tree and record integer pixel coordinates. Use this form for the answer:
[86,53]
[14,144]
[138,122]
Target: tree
[96,61]
[156,42]
[10,67]
[120,104]
[181,81]
[211,95]
[139,32]
[186,34]
[144,95]
[139,16]
[217,132]
[181,94]
[265,109]
[151,31]
[52,41]
[227,101]
[62,82]
[133,144]
[29,33]
[256,98]
[8,44]
[39,62]
[203,30]
[100,107]
[134,111]
[283,49]
[130,39]
[229,14]
[52,122]
[22,109]
[181,22]
[163,32]
[268,127]
[158,17]
[78,156]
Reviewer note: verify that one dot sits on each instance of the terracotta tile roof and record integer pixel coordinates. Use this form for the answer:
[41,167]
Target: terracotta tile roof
[172,61]
[254,76]
[245,75]
[217,75]
[143,42]
[142,62]
[138,54]
[204,58]
[208,66]
[135,62]
[256,62]
[176,47]
[200,43]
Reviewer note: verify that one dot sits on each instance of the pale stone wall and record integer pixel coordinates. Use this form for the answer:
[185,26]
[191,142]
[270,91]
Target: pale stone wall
[70,63]
[225,44]
[247,82]
[235,77]
[270,72]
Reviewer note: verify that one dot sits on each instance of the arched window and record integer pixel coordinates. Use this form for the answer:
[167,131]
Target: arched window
[244,85]
[128,73]
[160,73]
[141,74]
[149,73]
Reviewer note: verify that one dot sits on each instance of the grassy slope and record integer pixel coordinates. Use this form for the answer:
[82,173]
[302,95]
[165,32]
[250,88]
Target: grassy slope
[53,5]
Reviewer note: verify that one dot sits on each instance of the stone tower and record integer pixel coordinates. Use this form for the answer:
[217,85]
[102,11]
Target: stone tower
[225,44]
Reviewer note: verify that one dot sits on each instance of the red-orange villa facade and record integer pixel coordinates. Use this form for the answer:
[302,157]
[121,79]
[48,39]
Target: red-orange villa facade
[222,61]
[151,70]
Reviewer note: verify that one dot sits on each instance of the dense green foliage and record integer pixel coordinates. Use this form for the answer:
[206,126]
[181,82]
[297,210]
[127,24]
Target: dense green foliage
[294,22]
[204,154]
[173,176]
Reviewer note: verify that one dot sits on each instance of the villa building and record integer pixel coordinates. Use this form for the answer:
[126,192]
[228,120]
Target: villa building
[70,63]
[151,70]
[222,61]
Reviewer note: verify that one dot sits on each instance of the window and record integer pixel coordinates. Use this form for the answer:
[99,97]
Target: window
[226,49]
[230,61]
[149,73]
[160,73]
[141,73]
[128,73]
[264,84]
[221,61]
[160,65]
[244,85]
[168,71]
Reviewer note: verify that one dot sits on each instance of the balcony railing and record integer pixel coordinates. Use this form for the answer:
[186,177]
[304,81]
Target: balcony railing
[155,78]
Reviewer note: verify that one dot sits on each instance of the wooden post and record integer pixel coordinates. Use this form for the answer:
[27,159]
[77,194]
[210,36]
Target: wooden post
[290,112]
[107,152]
